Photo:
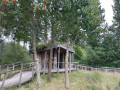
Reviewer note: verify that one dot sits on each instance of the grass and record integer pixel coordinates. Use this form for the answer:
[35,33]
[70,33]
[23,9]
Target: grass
[10,74]
[79,80]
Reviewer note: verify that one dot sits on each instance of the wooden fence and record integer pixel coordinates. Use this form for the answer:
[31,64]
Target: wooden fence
[16,67]
[21,67]
[104,69]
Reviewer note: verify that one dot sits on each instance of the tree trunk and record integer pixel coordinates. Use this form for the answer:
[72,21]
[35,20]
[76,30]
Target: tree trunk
[33,33]
[66,63]
[66,70]
[51,48]
[36,62]
[50,64]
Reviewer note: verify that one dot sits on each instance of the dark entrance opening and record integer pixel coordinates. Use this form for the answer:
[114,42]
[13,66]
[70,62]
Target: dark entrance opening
[60,62]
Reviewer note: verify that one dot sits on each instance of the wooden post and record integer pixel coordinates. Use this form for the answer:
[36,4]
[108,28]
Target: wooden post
[32,70]
[72,57]
[20,75]
[45,61]
[5,77]
[58,59]
[13,68]
[70,62]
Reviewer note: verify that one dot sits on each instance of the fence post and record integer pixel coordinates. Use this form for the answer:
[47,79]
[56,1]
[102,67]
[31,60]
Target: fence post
[13,68]
[32,70]
[5,77]
[20,75]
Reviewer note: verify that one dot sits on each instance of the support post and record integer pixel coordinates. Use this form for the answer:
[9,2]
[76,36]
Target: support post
[72,57]
[20,75]
[32,70]
[58,59]
[69,62]
[13,68]
[5,77]
[45,61]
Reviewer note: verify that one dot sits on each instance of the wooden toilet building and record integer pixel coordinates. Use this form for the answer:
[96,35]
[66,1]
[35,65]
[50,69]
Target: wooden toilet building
[58,61]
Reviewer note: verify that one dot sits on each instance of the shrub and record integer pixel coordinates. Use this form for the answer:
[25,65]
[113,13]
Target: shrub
[13,52]
[80,54]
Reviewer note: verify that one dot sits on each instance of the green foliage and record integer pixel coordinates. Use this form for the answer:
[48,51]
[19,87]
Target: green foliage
[12,53]
[80,54]
[106,54]
[41,44]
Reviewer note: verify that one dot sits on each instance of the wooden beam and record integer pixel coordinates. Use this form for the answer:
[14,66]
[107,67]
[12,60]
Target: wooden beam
[58,59]
[69,62]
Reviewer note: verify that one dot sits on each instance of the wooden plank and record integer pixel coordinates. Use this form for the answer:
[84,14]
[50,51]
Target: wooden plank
[20,74]
[5,77]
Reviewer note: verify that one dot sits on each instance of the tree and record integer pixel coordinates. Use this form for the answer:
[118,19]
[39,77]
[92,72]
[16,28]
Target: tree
[24,24]
[12,52]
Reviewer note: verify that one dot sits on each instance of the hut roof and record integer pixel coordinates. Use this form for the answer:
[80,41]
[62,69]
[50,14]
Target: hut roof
[55,45]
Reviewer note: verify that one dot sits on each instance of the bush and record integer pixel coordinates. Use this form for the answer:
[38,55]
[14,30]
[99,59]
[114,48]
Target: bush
[80,54]
[13,52]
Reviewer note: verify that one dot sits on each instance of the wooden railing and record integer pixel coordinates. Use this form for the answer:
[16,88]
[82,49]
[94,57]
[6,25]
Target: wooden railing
[30,66]
[104,69]
[20,67]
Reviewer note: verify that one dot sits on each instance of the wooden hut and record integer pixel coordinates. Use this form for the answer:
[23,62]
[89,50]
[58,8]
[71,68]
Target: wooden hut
[58,61]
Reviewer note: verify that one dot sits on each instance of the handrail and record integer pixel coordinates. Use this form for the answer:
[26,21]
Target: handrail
[108,69]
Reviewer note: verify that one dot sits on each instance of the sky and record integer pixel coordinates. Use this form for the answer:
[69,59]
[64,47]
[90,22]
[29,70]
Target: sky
[107,5]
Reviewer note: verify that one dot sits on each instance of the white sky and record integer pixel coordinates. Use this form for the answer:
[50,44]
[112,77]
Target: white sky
[107,5]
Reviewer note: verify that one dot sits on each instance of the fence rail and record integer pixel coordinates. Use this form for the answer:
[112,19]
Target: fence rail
[10,68]
[104,69]
[31,66]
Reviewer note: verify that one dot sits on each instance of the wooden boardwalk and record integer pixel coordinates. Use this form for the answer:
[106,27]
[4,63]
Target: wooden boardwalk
[27,72]
[25,77]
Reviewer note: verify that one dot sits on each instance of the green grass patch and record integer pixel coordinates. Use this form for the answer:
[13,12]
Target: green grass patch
[79,80]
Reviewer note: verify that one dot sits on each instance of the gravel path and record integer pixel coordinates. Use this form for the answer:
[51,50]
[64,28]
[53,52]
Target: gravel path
[26,76]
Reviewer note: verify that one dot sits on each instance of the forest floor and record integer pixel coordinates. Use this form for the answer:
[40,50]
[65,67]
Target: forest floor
[79,80]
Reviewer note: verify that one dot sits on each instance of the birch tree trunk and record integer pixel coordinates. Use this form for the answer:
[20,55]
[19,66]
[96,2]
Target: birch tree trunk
[66,63]
[51,47]
[50,64]
[66,70]
[33,31]
[36,62]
